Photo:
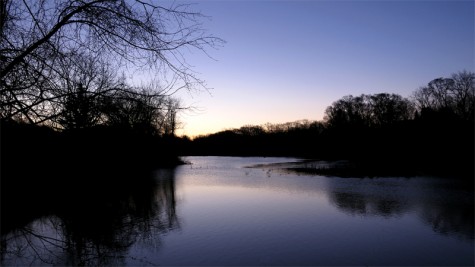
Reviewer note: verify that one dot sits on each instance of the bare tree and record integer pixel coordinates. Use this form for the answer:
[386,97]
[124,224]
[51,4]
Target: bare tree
[144,110]
[170,122]
[455,95]
[369,110]
[78,91]
[36,37]
[349,110]
[389,108]
[464,93]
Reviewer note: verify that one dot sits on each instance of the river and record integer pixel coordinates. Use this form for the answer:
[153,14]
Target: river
[243,211]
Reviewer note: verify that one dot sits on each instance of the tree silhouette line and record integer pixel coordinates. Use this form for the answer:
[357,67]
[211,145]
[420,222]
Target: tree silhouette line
[76,122]
[65,100]
[430,132]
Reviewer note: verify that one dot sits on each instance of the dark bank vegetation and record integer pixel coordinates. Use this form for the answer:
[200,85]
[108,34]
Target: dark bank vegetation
[65,101]
[75,118]
[380,134]
[71,119]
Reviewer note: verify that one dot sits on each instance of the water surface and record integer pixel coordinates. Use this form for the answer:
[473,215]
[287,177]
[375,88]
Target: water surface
[221,211]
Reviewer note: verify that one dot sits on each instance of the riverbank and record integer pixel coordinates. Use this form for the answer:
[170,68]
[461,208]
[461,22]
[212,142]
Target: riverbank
[43,170]
[365,169]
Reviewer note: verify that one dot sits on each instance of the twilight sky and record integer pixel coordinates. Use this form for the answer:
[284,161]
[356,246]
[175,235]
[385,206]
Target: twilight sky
[289,60]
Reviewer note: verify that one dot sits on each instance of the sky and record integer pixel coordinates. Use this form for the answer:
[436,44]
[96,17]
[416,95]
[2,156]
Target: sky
[289,60]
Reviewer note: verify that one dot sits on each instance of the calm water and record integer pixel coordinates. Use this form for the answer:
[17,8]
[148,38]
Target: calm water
[218,211]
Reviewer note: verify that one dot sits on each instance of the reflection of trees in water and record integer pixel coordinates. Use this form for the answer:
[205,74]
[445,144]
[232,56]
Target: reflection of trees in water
[50,241]
[355,203]
[455,220]
[448,212]
[99,229]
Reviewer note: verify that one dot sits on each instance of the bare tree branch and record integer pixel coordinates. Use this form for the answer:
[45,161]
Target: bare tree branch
[39,38]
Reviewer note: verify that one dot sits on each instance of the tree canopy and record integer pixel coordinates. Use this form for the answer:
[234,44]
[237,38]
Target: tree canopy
[454,96]
[368,110]
[55,54]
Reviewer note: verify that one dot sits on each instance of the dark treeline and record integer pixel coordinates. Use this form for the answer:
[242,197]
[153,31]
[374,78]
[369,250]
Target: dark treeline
[432,132]
[41,166]
[97,138]
[65,99]
[76,119]
[94,128]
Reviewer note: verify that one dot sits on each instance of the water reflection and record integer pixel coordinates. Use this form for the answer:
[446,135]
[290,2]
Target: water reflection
[238,214]
[354,203]
[232,215]
[96,227]
[440,203]
[444,204]
[453,220]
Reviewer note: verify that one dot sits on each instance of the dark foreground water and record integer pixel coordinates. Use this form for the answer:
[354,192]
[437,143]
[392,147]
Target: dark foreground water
[218,211]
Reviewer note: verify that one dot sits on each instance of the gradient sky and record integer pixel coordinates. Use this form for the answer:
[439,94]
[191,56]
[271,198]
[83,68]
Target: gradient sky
[288,60]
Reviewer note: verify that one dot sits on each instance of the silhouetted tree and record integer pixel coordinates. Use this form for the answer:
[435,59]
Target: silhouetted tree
[380,134]
[88,93]
[37,37]
[76,92]
[170,121]
[464,94]
[78,109]
[250,130]
[453,96]
[368,110]
[348,111]
[386,109]
[142,111]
